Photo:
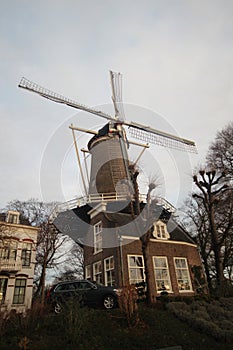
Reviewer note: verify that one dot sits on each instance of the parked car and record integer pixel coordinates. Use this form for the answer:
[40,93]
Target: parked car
[83,292]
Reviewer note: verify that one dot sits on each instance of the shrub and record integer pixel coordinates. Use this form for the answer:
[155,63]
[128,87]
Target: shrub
[210,318]
[3,325]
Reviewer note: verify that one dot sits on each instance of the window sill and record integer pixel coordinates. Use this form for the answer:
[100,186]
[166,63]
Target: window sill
[99,251]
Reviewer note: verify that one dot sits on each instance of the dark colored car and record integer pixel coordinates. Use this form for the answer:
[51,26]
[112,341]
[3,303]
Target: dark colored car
[83,292]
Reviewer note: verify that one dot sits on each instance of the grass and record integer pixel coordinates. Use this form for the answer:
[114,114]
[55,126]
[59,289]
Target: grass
[82,328]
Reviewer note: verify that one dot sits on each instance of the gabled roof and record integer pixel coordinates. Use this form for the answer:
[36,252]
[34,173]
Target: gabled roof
[123,221]
[76,223]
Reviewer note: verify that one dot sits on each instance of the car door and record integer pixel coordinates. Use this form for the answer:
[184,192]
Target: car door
[89,292]
[65,291]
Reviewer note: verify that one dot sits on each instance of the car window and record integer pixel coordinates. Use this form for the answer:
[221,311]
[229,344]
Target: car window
[82,285]
[77,285]
[85,285]
[63,287]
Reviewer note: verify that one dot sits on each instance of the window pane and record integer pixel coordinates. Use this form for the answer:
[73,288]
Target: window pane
[160,262]
[19,292]
[158,274]
[182,274]
[88,272]
[162,276]
[97,270]
[136,261]
[136,269]
[3,287]
[109,271]
[98,237]
[132,261]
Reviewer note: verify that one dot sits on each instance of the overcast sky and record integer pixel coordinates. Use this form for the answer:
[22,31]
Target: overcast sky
[176,58]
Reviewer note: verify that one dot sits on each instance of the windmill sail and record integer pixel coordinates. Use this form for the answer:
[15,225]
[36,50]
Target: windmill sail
[116,85]
[53,96]
[139,131]
[160,138]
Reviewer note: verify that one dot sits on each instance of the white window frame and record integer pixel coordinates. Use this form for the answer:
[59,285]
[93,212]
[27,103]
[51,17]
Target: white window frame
[97,271]
[160,230]
[3,288]
[88,272]
[109,271]
[26,254]
[183,281]
[20,291]
[13,217]
[167,285]
[98,238]
[137,269]
[8,250]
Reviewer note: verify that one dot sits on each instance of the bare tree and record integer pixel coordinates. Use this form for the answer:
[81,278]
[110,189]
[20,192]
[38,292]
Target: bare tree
[220,153]
[212,196]
[48,243]
[73,266]
[197,224]
[32,212]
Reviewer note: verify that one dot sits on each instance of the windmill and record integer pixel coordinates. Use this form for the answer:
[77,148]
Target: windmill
[110,175]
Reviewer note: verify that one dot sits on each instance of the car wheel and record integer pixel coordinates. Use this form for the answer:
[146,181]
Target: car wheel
[109,302]
[57,308]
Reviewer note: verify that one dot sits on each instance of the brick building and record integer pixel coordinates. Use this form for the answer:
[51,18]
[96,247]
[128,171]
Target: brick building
[17,262]
[172,253]
[113,249]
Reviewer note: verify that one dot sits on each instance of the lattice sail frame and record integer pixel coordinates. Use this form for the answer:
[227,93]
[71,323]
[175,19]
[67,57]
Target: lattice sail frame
[53,96]
[162,140]
[116,85]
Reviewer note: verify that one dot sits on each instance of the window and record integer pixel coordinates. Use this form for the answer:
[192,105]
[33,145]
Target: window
[65,287]
[88,272]
[136,269]
[19,292]
[98,237]
[26,254]
[13,217]
[160,230]
[162,277]
[3,287]
[97,272]
[84,285]
[8,250]
[109,271]
[182,274]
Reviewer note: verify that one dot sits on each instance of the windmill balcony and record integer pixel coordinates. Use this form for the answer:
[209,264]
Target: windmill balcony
[10,265]
[104,197]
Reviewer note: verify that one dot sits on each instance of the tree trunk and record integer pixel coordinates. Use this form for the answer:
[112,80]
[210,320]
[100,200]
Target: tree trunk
[217,253]
[41,287]
[150,297]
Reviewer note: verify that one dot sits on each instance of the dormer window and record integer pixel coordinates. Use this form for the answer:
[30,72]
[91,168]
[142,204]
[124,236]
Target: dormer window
[160,230]
[13,217]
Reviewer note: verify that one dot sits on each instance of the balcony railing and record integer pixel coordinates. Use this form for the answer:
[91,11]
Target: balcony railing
[10,265]
[106,197]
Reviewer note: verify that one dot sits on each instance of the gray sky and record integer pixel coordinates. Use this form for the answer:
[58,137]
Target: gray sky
[176,58]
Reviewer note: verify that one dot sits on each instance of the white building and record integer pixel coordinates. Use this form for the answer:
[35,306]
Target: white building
[17,262]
